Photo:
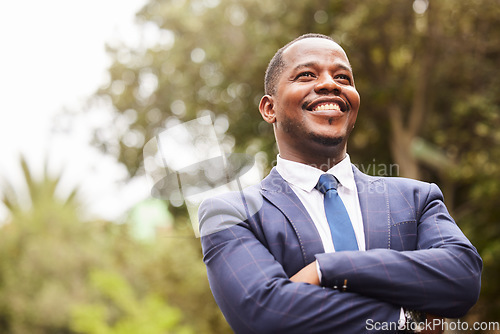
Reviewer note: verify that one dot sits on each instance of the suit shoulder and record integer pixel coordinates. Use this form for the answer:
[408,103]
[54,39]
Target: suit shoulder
[228,209]
[403,182]
[406,182]
[422,191]
[402,185]
[234,198]
[392,181]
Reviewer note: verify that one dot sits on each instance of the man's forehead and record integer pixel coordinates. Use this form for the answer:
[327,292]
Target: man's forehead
[310,46]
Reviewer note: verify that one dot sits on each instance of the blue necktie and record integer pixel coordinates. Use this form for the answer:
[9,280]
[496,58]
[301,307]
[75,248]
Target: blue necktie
[340,225]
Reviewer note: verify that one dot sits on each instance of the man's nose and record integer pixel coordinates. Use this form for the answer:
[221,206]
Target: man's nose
[327,84]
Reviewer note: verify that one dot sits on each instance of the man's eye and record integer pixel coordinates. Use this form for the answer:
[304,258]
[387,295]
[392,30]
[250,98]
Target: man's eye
[343,78]
[305,74]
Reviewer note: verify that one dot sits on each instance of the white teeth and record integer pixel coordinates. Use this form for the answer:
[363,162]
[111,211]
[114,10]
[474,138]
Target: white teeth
[327,106]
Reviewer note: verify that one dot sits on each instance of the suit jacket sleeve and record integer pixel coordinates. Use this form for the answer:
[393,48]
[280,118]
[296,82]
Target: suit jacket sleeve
[442,276]
[255,294]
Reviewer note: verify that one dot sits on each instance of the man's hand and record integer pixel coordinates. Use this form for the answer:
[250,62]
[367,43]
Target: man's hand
[308,274]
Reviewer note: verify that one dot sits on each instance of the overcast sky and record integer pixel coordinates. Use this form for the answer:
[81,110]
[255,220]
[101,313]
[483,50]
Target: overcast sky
[52,58]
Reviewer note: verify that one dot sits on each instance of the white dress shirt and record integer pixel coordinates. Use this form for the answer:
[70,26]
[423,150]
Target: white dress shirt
[303,179]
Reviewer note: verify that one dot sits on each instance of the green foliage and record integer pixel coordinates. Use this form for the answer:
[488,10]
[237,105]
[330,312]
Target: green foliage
[60,274]
[149,315]
[40,199]
[403,61]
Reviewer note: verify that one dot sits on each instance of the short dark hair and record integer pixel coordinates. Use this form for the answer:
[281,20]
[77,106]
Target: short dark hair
[275,67]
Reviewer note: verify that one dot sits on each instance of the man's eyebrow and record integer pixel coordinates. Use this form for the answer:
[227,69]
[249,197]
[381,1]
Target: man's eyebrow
[300,66]
[313,64]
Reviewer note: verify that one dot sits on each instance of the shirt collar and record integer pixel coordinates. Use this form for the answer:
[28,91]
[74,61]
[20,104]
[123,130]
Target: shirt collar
[306,177]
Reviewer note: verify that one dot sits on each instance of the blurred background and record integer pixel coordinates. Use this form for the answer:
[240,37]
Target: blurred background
[85,248]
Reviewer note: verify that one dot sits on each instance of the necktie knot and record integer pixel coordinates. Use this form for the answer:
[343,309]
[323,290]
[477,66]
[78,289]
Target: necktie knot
[327,182]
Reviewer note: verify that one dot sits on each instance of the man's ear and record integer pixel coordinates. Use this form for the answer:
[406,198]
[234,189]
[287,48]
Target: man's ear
[266,108]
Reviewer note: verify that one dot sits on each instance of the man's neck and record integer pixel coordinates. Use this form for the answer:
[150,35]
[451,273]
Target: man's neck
[321,162]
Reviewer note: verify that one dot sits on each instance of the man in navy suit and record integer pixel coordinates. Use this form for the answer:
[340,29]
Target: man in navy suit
[272,262]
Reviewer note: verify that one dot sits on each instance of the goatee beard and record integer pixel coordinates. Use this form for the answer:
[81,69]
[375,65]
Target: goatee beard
[292,127]
[326,141]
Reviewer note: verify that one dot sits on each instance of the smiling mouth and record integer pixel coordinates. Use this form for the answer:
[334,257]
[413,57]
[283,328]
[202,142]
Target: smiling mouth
[327,106]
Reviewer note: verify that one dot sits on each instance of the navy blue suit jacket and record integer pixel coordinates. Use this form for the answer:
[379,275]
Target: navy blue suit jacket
[416,258]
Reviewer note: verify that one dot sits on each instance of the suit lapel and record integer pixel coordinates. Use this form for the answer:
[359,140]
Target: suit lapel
[278,192]
[374,203]
[373,200]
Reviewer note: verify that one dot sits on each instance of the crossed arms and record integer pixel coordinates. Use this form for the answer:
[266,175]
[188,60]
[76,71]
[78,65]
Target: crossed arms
[256,295]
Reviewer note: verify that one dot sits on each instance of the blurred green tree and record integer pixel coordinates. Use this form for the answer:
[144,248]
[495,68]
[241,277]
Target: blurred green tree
[426,73]
[57,270]
[120,305]
[39,276]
